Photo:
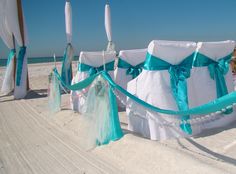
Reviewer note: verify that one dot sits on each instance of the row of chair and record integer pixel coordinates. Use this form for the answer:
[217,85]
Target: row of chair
[173,75]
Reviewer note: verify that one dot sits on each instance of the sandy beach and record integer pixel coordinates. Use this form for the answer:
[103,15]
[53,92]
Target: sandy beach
[32,140]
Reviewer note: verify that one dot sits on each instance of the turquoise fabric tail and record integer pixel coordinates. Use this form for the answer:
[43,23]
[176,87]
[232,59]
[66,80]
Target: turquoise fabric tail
[8,81]
[178,75]
[114,120]
[217,70]
[11,56]
[54,95]
[20,62]
[134,71]
[66,71]
[94,70]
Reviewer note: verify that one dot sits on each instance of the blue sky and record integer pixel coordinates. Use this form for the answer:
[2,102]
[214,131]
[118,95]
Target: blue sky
[134,23]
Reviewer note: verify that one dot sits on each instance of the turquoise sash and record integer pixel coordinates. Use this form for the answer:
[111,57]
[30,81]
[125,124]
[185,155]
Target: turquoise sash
[11,56]
[94,70]
[217,70]
[134,71]
[20,62]
[178,75]
[66,72]
[207,108]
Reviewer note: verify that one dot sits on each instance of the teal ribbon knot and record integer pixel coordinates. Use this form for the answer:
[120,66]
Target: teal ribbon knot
[94,70]
[134,71]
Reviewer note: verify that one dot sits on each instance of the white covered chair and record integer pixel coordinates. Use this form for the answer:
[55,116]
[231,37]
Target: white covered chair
[154,87]
[89,64]
[130,65]
[211,66]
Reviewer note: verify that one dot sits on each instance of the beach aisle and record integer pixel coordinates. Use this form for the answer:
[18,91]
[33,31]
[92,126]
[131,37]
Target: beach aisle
[34,141]
[30,144]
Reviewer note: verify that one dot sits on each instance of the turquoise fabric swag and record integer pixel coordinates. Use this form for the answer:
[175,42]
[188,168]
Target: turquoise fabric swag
[217,70]
[211,107]
[94,70]
[178,75]
[134,71]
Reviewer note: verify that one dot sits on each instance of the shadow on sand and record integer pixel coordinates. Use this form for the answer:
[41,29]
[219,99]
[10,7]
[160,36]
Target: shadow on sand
[38,93]
[32,94]
[218,156]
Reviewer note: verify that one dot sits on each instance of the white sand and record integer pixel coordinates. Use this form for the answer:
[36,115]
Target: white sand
[34,141]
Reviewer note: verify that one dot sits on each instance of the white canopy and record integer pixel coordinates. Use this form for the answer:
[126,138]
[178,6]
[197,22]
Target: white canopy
[13,21]
[5,33]
[7,37]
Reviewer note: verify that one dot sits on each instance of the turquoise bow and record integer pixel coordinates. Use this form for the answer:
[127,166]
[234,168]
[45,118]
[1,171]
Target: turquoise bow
[20,62]
[134,71]
[178,75]
[217,70]
[94,70]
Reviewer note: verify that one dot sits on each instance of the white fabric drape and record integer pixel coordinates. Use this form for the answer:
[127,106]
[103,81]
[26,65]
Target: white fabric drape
[7,37]
[68,19]
[5,34]
[13,20]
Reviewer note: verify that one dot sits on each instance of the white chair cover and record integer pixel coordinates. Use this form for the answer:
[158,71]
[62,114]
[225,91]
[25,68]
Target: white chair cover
[133,57]
[95,59]
[154,88]
[204,87]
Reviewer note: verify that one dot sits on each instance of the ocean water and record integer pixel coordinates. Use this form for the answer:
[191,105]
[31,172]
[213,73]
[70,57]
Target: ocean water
[33,60]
